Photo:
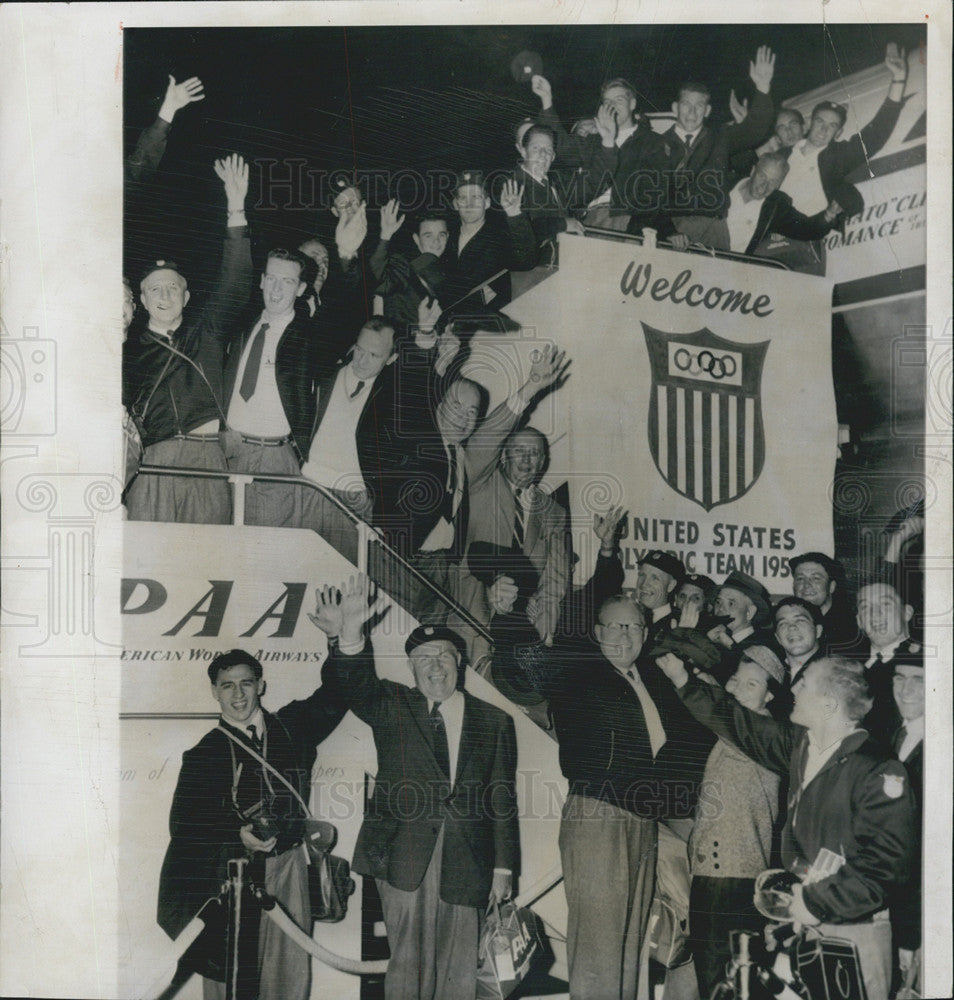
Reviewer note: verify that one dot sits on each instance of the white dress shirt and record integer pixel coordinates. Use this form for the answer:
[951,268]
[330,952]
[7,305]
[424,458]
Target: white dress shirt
[262,415]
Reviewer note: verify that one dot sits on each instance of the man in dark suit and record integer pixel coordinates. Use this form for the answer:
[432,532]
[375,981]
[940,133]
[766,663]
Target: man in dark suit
[820,580]
[481,246]
[798,630]
[228,805]
[883,617]
[269,376]
[698,154]
[623,160]
[752,209]
[354,431]
[634,758]
[440,835]
[658,576]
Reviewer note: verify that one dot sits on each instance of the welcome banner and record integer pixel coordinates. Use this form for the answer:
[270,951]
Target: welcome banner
[700,398]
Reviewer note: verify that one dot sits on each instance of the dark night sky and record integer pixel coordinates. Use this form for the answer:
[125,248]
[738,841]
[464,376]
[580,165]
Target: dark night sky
[392,98]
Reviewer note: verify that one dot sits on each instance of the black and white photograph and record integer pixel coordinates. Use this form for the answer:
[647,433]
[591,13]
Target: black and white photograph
[499,544]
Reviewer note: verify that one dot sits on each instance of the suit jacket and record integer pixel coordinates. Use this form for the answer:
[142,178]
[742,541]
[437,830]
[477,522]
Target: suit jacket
[839,159]
[906,903]
[509,243]
[412,798]
[492,506]
[419,474]
[884,718]
[295,362]
[605,751]
[546,208]
[701,182]
[204,825]
[376,431]
[634,172]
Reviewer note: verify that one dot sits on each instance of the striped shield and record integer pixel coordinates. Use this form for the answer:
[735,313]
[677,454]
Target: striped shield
[705,414]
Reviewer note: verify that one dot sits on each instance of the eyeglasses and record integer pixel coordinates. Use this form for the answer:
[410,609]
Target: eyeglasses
[616,629]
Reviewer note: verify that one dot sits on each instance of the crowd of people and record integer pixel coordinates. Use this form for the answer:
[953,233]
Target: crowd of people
[707,733]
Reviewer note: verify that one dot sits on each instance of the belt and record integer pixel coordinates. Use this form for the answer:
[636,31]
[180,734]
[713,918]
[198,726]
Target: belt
[268,442]
[198,437]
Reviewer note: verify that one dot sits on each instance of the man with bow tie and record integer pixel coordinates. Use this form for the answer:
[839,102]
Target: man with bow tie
[440,834]
[229,804]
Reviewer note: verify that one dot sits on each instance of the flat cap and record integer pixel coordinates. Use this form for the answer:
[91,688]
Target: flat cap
[434,633]
[664,561]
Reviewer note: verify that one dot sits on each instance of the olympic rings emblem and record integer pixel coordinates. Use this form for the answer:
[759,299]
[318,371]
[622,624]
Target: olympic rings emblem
[705,362]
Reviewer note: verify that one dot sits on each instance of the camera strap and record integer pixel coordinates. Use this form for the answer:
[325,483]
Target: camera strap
[236,769]
[162,342]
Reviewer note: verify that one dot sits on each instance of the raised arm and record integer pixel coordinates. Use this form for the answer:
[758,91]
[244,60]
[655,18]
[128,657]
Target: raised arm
[754,128]
[760,737]
[342,613]
[523,241]
[233,284]
[548,368]
[860,148]
[151,147]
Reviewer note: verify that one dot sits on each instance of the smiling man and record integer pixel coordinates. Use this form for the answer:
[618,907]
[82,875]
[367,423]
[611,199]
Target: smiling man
[438,862]
[820,580]
[633,758]
[172,373]
[883,617]
[698,154]
[354,422]
[820,162]
[227,805]
[404,280]
[269,375]
[658,576]
[752,209]
[798,630]
[509,513]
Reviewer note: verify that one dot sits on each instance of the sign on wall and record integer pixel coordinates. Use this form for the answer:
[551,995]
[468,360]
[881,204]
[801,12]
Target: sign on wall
[700,398]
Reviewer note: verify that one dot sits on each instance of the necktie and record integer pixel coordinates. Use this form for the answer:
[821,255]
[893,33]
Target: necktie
[357,389]
[899,741]
[519,525]
[252,365]
[452,469]
[254,737]
[684,158]
[654,726]
[439,735]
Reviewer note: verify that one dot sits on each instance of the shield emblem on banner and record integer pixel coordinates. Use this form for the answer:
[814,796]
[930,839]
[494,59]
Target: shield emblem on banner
[705,414]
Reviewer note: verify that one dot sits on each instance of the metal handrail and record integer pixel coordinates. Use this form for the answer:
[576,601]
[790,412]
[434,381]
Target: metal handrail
[370,533]
[698,250]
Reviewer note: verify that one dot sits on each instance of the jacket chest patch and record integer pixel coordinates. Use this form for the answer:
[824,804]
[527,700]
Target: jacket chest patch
[893,785]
